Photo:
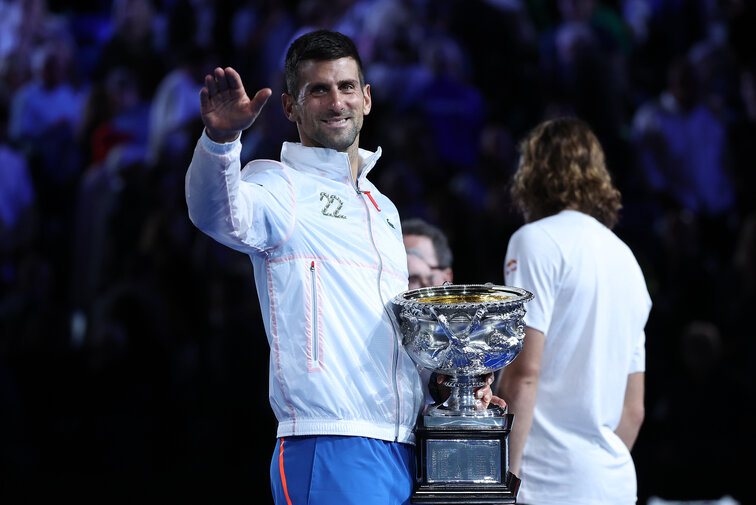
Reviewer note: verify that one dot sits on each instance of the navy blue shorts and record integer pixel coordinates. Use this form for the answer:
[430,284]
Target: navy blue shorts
[345,470]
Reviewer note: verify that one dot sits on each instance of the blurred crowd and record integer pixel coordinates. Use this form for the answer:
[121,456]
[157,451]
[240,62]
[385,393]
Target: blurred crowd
[133,360]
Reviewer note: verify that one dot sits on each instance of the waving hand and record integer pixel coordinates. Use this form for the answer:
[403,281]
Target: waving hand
[226,109]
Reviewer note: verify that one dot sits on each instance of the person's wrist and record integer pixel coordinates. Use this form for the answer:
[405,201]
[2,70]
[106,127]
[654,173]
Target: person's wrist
[221,137]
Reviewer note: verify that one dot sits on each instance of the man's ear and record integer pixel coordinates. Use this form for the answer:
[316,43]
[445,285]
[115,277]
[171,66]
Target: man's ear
[289,107]
[368,100]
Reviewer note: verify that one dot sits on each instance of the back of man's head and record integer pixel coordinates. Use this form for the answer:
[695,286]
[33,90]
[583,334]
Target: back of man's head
[562,166]
[319,45]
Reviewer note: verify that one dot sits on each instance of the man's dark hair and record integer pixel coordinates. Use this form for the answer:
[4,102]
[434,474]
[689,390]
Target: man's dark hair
[418,226]
[320,45]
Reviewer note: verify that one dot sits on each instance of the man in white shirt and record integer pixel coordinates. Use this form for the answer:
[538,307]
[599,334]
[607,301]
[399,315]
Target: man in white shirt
[577,387]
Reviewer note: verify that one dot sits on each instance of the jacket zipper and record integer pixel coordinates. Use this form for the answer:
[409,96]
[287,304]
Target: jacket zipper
[395,360]
[315,352]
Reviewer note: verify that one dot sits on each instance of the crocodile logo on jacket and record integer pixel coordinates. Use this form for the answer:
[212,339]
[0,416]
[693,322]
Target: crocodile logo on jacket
[332,206]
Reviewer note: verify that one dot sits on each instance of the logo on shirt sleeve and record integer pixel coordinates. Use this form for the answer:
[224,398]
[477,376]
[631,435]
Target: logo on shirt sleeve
[510,267]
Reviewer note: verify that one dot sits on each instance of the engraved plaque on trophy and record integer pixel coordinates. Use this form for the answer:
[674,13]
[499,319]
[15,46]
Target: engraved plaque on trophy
[464,332]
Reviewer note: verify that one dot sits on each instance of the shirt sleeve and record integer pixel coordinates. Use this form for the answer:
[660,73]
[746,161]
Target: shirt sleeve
[533,263]
[250,211]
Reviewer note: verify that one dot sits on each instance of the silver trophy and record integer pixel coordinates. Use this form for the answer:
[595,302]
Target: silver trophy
[464,332]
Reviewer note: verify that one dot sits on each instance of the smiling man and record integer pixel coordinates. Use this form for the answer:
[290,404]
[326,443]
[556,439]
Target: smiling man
[327,252]
[328,102]
[328,255]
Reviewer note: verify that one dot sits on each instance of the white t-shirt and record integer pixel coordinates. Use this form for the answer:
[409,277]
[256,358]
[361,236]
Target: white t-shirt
[592,304]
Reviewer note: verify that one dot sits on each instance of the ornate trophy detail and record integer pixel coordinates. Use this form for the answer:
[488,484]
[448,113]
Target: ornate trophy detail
[463,332]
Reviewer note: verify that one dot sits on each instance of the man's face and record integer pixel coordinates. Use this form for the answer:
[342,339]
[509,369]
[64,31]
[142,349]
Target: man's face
[330,104]
[422,264]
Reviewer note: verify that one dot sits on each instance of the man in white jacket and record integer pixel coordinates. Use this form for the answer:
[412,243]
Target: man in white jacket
[327,252]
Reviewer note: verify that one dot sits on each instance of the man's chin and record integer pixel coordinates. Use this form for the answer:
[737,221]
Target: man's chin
[339,143]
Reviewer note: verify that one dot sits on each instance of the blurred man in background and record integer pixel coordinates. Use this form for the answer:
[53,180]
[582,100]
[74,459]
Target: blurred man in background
[429,258]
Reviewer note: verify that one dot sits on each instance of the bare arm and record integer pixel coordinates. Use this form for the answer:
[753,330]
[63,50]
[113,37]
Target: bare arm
[226,109]
[518,385]
[633,410]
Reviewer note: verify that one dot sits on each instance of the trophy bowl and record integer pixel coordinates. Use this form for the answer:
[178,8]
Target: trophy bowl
[463,331]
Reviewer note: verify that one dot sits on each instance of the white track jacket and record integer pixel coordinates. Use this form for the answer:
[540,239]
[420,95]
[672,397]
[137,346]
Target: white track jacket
[328,256]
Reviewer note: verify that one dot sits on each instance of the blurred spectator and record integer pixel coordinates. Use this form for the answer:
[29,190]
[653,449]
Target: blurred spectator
[47,107]
[663,30]
[716,69]
[377,25]
[262,32]
[501,49]
[583,70]
[197,23]
[397,76]
[17,202]
[121,138]
[173,110]
[452,108]
[43,120]
[429,258]
[119,125]
[449,111]
[682,147]
[134,45]
[25,27]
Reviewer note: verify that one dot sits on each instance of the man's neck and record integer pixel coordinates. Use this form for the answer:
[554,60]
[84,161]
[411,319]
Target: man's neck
[354,162]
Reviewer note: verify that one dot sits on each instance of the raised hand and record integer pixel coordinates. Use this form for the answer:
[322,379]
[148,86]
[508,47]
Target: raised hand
[226,109]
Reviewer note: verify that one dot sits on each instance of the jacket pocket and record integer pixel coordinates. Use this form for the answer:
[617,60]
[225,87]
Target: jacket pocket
[314,347]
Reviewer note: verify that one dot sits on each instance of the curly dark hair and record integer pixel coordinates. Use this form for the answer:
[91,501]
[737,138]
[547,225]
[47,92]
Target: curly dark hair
[562,167]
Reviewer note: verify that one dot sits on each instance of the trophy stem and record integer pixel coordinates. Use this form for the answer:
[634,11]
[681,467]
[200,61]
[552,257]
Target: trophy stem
[462,398]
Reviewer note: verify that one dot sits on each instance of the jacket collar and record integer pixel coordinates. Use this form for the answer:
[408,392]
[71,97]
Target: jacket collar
[326,162]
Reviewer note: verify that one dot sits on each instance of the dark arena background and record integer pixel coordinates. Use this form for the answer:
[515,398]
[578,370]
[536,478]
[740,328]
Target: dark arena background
[133,360]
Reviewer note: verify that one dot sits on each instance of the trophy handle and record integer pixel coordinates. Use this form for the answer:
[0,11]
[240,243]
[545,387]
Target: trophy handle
[455,337]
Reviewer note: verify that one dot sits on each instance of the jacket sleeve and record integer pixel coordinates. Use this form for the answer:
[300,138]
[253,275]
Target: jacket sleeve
[242,214]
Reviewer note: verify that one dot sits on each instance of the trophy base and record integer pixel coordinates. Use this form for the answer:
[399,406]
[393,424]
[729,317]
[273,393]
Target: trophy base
[468,495]
[464,461]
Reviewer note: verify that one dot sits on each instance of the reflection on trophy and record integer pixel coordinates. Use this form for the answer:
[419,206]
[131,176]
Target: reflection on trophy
[463,332]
